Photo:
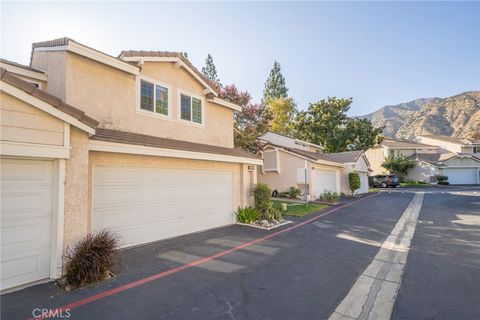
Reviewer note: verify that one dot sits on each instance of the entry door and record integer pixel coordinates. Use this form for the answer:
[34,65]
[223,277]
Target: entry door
[145,204]
[26,220]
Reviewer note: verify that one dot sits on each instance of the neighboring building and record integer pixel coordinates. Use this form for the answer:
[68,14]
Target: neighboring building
[153,159]
[447,144]
[289,162]
[394,148]
[434,156]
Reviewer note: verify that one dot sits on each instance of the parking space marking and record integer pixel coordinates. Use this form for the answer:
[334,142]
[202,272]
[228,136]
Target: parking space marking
[373,294]
[195,263]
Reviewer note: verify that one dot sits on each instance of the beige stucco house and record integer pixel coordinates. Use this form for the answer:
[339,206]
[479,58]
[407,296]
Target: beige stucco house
[289,162]
[139,144]
[433,156]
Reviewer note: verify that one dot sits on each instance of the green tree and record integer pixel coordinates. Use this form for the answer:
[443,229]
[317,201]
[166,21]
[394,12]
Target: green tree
[250,123]
[354,181]
[275,86]
[361,134]
[210,71]
[326,123]
[281,111]
[398,165]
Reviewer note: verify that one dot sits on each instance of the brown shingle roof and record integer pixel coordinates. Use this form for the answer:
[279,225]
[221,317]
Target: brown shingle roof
[439,158]
[18,65]
[403,144]
[56,102]
[167,54]
[157,142]
[65,41]
[461,141]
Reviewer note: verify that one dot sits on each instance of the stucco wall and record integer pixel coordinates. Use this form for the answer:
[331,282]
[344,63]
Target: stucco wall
[20,122]
[376,157]
[421,172]
[54,62]
[76,188]
[287,177]
[241,187]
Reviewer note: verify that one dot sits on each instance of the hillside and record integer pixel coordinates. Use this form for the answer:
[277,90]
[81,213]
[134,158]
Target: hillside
[456,116]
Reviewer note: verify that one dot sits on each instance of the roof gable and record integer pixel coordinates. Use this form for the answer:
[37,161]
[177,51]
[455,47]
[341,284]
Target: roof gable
[43,100]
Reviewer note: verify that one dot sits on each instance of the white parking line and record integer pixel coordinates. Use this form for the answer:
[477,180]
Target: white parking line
[373,294]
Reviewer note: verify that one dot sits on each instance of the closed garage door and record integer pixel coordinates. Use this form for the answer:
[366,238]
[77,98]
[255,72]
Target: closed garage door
[325,180]
[148,204]
[461,175]
[26,218]
[363,182]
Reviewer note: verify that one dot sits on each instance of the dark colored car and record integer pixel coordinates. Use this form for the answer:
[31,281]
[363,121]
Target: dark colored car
[384,181]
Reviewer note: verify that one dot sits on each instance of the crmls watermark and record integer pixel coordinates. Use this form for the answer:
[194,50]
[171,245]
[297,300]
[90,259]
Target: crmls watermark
[44,313]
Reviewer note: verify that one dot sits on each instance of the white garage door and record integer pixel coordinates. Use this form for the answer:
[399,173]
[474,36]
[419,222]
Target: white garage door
[325,180]
[148,204]
[26,220]
[461,175]
[363,182]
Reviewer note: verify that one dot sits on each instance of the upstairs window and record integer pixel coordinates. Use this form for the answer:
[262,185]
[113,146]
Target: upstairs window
[153,98]
[190,109]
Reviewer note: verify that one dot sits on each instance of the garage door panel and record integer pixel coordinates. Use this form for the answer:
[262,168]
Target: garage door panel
[24,267]
[325,180]
[20,203]
[116,217]
[461,175]
[26,220]
[117,196]
[112,176]
[24,173]
[172,202]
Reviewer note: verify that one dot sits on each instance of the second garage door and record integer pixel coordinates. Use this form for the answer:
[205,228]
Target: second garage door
[325,180]
[144,204]
[461,175]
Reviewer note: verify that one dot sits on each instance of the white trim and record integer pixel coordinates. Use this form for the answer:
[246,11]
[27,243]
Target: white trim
[58,219]
[178,63]
[44,106]
[155,82]
[179,108]
[24,72]
[94,55]
[104,146]
[225,103]
[66,134]
[20,149]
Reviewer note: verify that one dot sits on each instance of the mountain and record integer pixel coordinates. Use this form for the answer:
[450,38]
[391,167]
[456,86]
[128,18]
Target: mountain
[456,116]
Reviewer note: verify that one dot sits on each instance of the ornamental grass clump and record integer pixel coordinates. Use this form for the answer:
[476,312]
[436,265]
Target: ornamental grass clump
[247,215]
[91,259]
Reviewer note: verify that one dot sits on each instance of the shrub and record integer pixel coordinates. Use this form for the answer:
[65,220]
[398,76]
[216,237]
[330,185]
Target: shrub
[399,165]
[440,178]
[354,181]
[247,215]
[264,205]
[283,194]
[91,259]
[443,183]
[261,196]
[329,196]
[293,192]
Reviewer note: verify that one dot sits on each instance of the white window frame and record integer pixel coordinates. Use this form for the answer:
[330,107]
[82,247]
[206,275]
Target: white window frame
[139,96]
[179,108]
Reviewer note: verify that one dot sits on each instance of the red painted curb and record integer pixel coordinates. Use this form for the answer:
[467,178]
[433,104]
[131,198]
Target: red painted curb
[194,263]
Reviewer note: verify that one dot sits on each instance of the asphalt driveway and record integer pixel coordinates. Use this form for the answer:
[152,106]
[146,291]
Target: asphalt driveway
[298,274]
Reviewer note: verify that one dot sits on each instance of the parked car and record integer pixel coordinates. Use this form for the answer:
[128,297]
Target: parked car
[384,181]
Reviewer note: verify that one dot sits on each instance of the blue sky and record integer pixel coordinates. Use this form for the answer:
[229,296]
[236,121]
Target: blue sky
[376,52]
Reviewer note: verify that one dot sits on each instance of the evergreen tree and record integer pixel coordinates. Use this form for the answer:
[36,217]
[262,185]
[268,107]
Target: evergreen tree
[275,87]
[209,71]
